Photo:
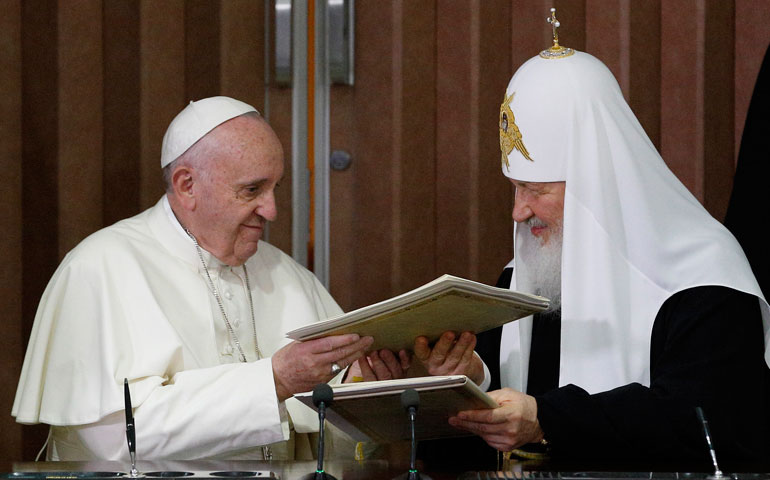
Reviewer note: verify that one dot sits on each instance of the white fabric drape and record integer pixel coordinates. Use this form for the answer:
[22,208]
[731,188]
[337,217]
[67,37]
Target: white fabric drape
[131,301]
[633,234]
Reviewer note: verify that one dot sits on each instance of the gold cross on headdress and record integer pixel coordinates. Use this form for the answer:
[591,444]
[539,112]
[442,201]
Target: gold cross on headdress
[554,25]
[556,51]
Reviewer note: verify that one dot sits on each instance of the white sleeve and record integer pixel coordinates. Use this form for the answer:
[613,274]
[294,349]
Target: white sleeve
[199,413]
[487,376]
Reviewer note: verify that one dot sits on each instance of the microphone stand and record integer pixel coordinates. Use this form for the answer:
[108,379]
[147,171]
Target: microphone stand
[410,400]
[322,398]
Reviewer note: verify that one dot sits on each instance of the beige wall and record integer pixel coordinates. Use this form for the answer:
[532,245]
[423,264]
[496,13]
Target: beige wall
[87,88]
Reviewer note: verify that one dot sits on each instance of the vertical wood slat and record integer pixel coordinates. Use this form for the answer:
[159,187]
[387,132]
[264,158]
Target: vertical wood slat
[752,37]
[572,16]
[719,107]
[201,48]
[607,33]
[376,146]
[162,87]
[681,93]
[39,158]
[342,242]
[122,140]
[242,67]
[415,170]
[644,65]
[11,343]
[40,196]
[529,31]
[626,37]
[79,121]
[396,87]
[495,229]
[473,226]
[454,108]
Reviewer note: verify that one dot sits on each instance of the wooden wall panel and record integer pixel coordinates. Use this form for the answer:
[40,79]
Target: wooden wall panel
[457,93]
[682,91]
[643,61]
[40,169]
[163,87]
[378,144]
[719,108]
[572,16]
[473,231]
[342,241]
[494,244]
[608,36]
[79,121]
[529,31]
[11,341]
[242,65]
[752,36]
[201,49]
[698,132]
[121,110]
[415,169]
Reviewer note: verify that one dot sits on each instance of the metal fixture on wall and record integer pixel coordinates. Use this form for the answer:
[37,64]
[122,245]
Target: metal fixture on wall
[282,42]
[340,41]
[326,26]
[300,175]
[341,35]
[339,160]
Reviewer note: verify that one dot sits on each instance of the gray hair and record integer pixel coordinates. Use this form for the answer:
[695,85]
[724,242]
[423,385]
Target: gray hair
[195,157]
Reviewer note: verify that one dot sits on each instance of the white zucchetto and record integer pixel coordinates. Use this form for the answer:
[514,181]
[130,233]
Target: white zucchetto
[195,121]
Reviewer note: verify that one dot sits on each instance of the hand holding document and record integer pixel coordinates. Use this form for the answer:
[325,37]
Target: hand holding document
[446,304]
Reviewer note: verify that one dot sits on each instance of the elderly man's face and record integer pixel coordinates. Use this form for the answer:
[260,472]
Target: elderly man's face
[541,206]
[235,195]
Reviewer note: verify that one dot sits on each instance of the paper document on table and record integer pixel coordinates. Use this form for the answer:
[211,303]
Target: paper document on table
[447,303]
[373,410]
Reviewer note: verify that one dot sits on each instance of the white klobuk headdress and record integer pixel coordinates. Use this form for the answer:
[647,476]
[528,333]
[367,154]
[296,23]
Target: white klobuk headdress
[633,234]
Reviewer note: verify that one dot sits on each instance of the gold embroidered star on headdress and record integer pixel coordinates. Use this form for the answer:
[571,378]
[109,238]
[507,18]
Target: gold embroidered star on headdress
[510,135]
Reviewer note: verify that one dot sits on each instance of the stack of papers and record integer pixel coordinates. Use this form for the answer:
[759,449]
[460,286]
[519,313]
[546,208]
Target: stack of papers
[446,304]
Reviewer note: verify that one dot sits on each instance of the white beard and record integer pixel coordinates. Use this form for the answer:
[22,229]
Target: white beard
[539,265]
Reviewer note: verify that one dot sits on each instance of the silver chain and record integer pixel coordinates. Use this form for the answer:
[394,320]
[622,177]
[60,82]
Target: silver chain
[267,452]
[214,290]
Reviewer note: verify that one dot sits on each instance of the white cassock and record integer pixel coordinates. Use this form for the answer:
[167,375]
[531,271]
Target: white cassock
[132,301]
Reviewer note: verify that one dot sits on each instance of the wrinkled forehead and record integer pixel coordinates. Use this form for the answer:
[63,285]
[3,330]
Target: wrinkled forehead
[246,143]
[556,186]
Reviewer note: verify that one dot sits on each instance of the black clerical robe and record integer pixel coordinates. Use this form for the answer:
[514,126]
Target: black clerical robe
[707,350]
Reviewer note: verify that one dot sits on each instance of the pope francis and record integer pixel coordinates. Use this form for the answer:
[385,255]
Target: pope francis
[186,302]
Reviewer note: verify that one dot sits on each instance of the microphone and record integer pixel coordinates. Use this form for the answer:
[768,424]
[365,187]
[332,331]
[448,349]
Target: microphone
[323,395]
[410,401]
